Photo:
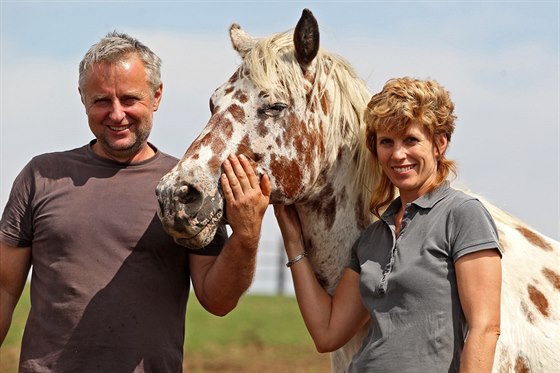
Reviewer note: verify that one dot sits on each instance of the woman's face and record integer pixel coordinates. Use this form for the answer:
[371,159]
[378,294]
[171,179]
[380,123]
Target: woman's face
[409,159]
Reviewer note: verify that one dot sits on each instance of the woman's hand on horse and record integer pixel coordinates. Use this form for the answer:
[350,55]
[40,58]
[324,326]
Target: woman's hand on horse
[290,227]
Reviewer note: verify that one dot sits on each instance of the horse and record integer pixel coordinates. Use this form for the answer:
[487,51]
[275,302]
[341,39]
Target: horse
[296,112]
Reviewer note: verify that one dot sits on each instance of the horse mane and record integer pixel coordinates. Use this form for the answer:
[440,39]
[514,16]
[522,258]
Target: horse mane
[272,66]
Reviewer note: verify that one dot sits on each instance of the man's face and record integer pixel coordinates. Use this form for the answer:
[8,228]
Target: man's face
[119,103]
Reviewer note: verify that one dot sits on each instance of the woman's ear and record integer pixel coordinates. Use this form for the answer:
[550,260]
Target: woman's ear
[440,144]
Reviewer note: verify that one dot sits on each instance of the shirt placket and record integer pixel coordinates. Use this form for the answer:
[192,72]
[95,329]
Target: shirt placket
[407,217]
[381,287]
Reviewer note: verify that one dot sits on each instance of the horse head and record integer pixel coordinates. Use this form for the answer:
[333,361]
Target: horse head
[277,110]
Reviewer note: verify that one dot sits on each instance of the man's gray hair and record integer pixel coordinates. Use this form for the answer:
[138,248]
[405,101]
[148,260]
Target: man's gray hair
[115,47]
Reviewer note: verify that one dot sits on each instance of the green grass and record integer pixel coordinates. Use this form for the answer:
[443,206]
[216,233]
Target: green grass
[13,338]
[271,320]
[262,331]
[9,352]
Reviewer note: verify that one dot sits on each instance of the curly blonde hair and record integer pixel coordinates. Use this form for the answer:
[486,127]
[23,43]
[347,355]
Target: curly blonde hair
[401,102]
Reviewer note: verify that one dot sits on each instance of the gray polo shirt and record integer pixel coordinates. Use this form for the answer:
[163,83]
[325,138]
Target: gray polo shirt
[408,282]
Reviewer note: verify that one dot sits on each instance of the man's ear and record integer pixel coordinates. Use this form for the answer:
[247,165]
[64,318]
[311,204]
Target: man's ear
[157,97]
[81,96]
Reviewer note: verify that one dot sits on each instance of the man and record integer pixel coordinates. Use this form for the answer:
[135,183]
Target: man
[109,287]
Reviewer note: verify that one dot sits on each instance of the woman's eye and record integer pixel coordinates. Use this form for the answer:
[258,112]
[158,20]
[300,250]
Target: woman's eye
[273,110]
[411,140]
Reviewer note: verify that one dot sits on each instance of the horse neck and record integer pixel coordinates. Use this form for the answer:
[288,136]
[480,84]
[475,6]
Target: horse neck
[333,218]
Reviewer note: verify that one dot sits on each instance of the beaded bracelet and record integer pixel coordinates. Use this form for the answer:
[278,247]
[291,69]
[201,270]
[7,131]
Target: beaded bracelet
[293,261]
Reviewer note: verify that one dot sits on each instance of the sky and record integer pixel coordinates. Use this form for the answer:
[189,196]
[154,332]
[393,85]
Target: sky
[499,60]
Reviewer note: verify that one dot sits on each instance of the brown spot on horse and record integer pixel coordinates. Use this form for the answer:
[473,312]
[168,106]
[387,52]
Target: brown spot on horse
[552,276]
[534,238]
[538,299]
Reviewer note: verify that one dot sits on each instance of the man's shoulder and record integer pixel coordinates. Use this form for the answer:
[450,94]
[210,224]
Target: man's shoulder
[166,159]
[59,156]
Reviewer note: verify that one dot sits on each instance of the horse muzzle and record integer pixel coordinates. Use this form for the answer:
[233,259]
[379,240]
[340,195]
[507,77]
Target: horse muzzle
[190,208]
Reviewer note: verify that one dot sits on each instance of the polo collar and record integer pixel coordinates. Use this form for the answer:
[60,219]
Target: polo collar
[427,201]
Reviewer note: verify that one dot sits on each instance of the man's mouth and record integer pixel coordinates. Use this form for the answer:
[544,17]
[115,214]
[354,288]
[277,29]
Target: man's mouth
[119,128]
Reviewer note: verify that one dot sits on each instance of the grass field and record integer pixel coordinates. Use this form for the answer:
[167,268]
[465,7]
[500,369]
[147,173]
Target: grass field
[264,333]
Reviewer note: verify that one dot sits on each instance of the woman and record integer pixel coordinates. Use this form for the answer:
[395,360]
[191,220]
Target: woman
[428,272]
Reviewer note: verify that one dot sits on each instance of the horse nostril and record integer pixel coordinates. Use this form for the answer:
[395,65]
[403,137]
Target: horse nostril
[188,194]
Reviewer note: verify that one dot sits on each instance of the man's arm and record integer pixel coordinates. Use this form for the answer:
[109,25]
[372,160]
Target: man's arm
[220,281]
[14,267]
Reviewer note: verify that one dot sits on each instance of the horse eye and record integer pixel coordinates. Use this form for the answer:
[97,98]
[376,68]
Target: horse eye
[273,110]
[278,106]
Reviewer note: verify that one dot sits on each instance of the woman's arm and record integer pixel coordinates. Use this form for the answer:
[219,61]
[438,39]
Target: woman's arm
[331,321]
[479,279]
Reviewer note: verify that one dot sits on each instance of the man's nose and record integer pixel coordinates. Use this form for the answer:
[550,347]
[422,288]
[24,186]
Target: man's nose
[117,113]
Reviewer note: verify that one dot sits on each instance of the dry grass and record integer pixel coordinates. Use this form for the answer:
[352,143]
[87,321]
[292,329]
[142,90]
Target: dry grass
[252,359]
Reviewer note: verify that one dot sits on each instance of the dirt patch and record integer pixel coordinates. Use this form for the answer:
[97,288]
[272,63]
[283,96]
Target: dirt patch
[257,359]
[9,358]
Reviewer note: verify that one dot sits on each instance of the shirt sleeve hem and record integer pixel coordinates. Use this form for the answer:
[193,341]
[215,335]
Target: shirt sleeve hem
[487,245]
[13,241]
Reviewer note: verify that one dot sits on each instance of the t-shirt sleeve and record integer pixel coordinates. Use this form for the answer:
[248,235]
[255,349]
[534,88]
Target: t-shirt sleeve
[215,247]
[473,229]
[16,228]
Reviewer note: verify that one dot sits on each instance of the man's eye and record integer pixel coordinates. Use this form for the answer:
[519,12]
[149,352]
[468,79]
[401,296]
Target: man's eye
[273,110]
[128,101]
[101,101]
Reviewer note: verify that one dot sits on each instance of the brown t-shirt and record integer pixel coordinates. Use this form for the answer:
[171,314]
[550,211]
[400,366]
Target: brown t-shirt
[109,287]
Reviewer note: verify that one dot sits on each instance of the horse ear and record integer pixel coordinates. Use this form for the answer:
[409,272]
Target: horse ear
[306,39]
[241,41]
